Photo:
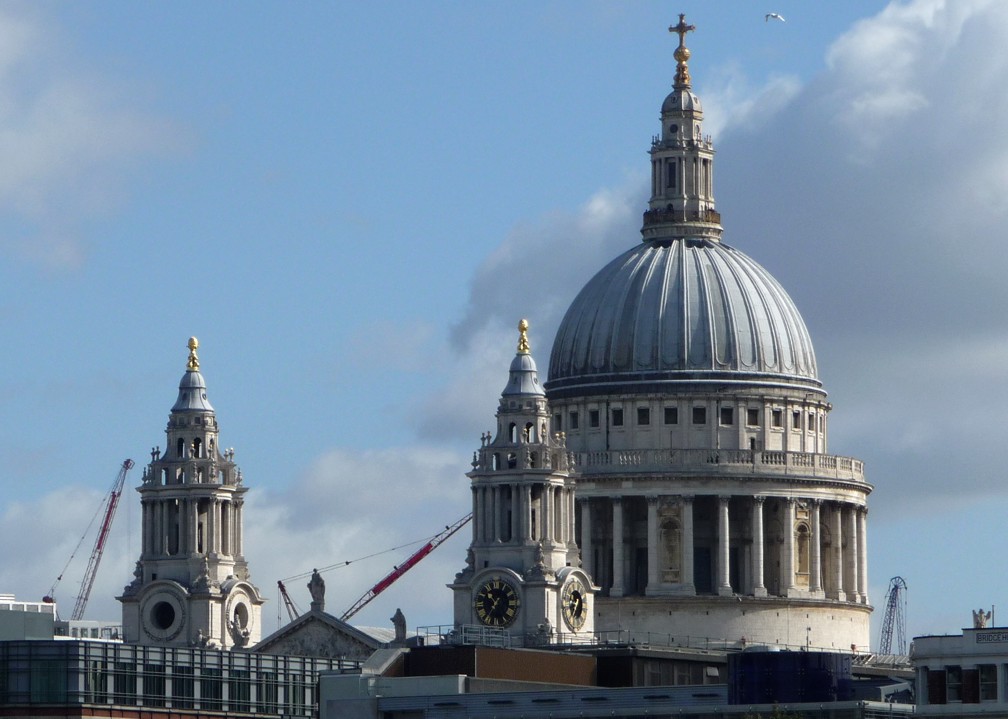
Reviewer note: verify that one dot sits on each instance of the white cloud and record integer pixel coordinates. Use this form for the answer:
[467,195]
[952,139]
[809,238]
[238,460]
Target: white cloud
[68,141]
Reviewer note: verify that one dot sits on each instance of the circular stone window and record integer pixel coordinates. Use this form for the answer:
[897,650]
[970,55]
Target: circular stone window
[162,615]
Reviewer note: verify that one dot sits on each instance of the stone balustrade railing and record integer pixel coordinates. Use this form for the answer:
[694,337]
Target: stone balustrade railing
[720,461]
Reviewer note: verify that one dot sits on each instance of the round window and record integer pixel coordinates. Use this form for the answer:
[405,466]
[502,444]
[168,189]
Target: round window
[673,129]
[162,615]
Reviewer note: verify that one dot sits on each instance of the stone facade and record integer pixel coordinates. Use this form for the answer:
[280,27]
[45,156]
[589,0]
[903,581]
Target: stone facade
[523,575]
[191,585]
[684,381]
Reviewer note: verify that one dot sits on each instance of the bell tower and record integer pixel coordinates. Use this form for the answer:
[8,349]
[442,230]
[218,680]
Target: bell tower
[523,572]
[191,584]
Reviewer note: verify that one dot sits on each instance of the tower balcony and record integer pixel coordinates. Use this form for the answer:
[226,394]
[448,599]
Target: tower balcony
[720,462]
[670,216]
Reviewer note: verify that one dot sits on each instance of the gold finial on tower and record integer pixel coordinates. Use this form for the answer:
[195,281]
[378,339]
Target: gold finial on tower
[523,345]
[682,53]
[193,364]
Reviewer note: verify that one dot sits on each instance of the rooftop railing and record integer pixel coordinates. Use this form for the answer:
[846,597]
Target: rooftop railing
[720,462]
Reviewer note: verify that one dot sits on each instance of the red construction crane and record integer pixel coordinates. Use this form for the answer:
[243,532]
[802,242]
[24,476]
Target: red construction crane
[405,567]
[87,582]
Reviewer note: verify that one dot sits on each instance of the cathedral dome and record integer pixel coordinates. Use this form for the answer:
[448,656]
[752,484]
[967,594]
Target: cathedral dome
[681,310]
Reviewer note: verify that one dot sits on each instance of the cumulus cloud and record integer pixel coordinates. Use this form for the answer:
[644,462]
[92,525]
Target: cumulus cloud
[68,141]
[875,194]
[349,505]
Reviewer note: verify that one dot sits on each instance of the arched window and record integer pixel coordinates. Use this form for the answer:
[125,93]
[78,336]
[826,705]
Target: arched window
[512,433]
[180,448]
[802,545]
[197,448]
[530,432]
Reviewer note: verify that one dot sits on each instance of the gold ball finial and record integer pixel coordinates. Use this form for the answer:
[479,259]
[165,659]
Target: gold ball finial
[523,345]
[193,364]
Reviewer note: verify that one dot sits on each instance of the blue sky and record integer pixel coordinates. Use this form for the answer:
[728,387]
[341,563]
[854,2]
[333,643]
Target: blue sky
[352,204]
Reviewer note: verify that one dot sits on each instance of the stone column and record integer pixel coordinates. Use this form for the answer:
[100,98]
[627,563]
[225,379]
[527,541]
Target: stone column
[212,547]
[496,514]
[571,513]
[194,526]
[862,513]
[239,539]
[851,567]
[527,513]
[788,570]
[165,528]
[759,588]
[515,513]
[146,528]
[475,514]
[587,550]
[838,557]
[652,543]
[815,560]
[546,510]
[617,547]
[687,544]
[724,583]
[225,527]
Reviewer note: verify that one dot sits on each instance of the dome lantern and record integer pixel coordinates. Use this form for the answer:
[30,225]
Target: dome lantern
[682,163]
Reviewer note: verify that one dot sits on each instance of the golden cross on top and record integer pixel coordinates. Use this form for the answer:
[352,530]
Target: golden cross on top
[682,28]
[682,53]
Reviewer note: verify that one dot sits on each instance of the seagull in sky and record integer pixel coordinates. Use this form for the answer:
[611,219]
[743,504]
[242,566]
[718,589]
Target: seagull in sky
[775,16]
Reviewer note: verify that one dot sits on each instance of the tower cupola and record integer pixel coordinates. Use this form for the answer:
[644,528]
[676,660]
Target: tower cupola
[682,162]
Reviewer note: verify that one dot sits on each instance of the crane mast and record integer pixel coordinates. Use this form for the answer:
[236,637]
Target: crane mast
[894,620]
[400,570]
[99,547]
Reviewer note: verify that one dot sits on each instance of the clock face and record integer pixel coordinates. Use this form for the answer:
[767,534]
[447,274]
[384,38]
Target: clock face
[496,603]
[573,605]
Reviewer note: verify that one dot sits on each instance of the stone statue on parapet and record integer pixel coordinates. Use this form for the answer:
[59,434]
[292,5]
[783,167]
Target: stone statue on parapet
[399,624]
[980,619]
[316,587]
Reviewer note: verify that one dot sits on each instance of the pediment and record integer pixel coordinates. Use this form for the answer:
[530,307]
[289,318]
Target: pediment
[317,634]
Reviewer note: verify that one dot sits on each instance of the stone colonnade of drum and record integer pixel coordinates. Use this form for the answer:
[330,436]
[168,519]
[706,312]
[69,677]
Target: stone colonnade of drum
[763,545]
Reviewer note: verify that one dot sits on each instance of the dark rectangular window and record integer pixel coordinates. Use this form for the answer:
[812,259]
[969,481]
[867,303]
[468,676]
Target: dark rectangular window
[671,415]
[211,689]
[671,184]
[777,417]
[593,418]
[811,421]
[988,682]
[617,417]
[699,415]
[558,422]
[953,683]
[727,415]
[574,420]
[643,415]
[752,417]
[154,685]
[182,687]
[796,420]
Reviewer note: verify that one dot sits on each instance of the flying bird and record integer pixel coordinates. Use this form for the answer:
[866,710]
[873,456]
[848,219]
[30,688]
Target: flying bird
[775,16]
